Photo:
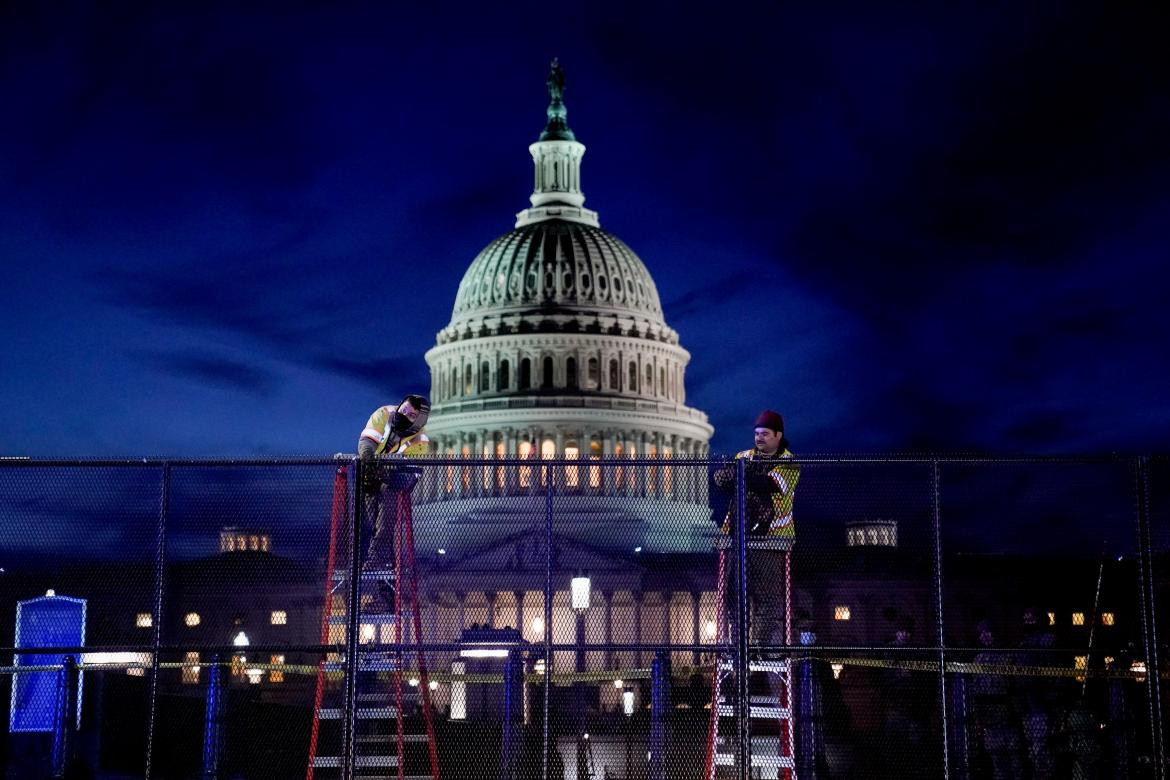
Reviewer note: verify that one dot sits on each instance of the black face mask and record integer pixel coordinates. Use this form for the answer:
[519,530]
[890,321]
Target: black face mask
[400,423]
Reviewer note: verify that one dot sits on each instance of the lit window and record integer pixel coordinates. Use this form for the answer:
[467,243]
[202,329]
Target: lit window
[144,620]
[652,471]
[1078,618]
[837,669]
[594,471]
[524,474]
[191,668]
[1106,618]
[276,675]
[631,474]
[192,619]
[1081,662]
[841,613]
[572,476]
[1052,618]
[279,617]
[501,452]
[667,472]
[548,451]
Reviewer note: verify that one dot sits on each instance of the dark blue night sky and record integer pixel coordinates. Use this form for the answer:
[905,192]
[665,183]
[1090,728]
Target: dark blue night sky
[237,231]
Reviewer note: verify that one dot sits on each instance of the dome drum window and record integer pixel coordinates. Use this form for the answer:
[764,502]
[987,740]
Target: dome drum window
[571,373]
[546,379]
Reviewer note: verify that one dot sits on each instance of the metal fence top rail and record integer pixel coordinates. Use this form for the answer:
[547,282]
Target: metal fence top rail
[454,460]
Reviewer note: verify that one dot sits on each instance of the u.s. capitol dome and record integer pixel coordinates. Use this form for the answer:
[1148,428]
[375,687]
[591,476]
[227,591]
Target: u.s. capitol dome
[558,347]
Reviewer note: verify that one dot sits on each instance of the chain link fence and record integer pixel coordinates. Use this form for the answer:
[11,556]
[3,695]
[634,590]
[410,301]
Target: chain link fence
[596,618]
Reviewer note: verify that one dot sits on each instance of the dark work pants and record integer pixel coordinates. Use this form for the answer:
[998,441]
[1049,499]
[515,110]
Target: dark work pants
[766,596]
[378,513]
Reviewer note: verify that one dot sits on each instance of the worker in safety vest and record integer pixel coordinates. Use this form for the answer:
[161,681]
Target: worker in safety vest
[391,431]
[770,480]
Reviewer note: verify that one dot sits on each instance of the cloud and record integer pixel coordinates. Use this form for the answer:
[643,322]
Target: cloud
[210,369]
[399,372]
[702,298]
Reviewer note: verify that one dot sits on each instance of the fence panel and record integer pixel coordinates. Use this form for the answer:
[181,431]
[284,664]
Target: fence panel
[88,533]
[1041,584]
[588,587]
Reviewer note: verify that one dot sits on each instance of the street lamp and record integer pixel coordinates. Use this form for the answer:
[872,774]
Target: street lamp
[579,590]
[628,710]
[579,587]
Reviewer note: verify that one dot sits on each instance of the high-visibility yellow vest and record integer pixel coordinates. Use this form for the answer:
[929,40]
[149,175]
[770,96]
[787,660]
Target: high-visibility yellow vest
[785,476]
[378,431]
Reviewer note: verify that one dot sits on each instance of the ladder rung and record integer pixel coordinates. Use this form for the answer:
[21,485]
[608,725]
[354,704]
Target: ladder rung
[361,762]
[776,762]
[388,738]
[774,667]
[380,618]
[363,713]
[380,575]
[754,711]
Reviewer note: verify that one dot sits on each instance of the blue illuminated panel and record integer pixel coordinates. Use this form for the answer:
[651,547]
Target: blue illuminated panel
[49,621]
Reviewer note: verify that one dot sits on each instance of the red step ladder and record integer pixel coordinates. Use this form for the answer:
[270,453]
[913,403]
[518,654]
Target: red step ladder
[772,755]
[387,741]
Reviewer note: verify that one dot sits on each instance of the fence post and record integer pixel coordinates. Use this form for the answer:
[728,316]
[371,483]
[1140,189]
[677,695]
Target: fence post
[213,723]
[1120,725]
[160,579]
[938,595]
[549,475]
[65,726]
[353,615]
[958,721]
[808,719]
[659,709]
[1148,592]
[742,633]
[513,712]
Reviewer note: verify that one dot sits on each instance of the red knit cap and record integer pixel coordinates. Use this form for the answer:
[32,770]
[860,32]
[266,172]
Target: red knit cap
[770,419]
